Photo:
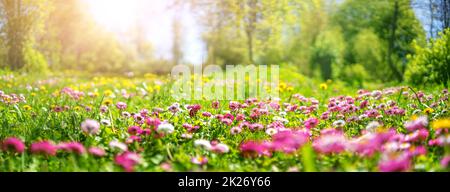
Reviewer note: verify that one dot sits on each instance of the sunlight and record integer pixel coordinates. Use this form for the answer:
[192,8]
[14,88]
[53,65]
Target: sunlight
[118,15]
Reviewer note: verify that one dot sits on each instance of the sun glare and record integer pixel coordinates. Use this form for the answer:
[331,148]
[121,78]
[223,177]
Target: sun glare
[118,15]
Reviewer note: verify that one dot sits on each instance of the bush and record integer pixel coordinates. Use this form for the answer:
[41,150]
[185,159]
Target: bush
[355,74]
[431,64]
[35,61]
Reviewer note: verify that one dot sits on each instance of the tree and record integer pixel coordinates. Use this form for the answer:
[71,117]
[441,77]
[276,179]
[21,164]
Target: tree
[177,52]
[431,63]
[395,24]
[369,51]
[249,31]
[19,19]
[327,53]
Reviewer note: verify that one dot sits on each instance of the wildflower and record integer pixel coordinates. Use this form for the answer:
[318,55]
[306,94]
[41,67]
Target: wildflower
[392,162]
[134,130]
[227,121]
[125,114]
[428,111]
[191,128]
[367,144]
[352,119]
[158,110]
[372,126]
[206,114]
[105,122]
[165,127]
[330,141]
[13,144]
[186,136]
[256,126]
[289,141]
[72,147]
[311,123]
[174,108]
[118,145]
[132,139]
[128,160]
[166,166]
[107,102]
[418,135]
[229,116]
[271,131]
[103,109]
[233,105]
[203,144]
[220,148]
[323,86]
[445,161]
[240,117]
[339,123]
[153,122]
[418,123]
[274,106]
[58,109]
[43,147]
[27,107]
[199,160]
[235,130]
[96,151]
[121,105]
[325,115]
[252,149]
[215,104]
[138,118]
[441,124]
[372,113]
[145,132]
[193,109]
[90,127]
[376,94]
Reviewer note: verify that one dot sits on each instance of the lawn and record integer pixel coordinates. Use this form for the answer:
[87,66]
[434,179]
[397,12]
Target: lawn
[73,122]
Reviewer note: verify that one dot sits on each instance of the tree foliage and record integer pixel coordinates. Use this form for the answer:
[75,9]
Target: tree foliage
[431,63]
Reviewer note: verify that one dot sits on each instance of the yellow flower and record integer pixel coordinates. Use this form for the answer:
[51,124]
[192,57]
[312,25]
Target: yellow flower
[428,110]
[329,81]
[283,86]
[33,94]
[55,93]
[441,124]
[27,107]
[108,93]
[290,89]
[323,86]
[77,108]
[157,87]
[107,102]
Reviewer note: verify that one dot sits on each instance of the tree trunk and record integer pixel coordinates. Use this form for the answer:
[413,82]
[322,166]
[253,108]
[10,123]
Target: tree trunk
[445,4]
[250,45]
[392,39]
[431,7]
[14,33]
[250,27]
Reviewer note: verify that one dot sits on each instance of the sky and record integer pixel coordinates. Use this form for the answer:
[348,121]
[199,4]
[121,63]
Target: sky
[156,18]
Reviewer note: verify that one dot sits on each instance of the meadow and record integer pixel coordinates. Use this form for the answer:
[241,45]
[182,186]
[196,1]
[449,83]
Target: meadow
[73,122]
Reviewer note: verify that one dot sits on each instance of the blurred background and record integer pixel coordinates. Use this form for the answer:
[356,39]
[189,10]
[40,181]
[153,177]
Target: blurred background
[351,40]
